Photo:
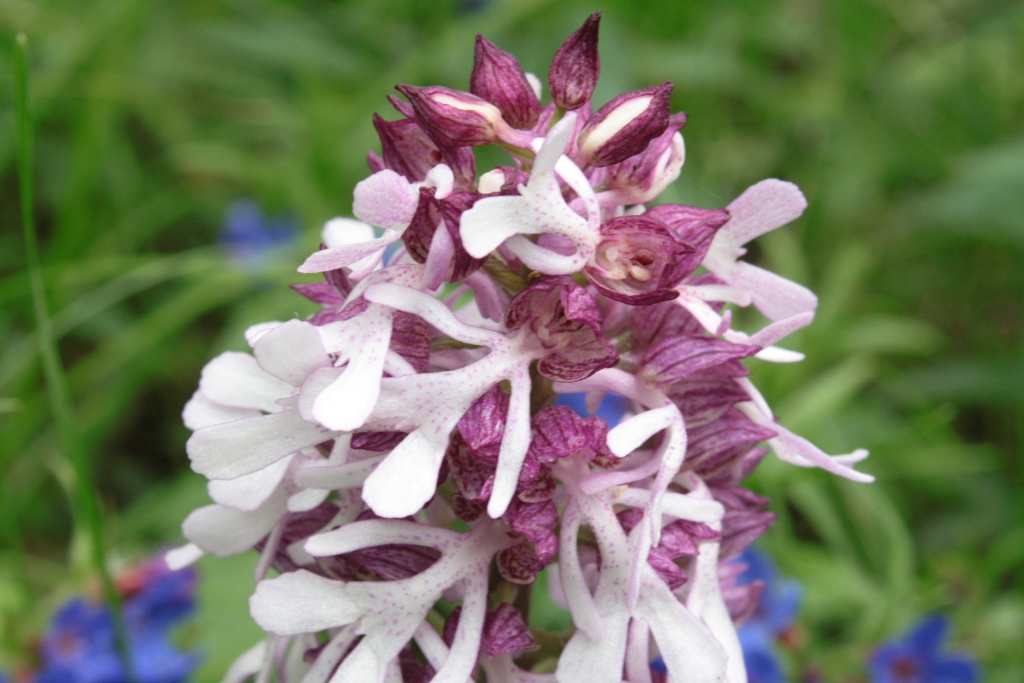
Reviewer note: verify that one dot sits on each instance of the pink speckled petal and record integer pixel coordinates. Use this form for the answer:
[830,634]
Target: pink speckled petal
[774,295]
[386,200]
[761,208]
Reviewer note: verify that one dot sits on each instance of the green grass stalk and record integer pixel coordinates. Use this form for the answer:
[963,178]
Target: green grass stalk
[87,510]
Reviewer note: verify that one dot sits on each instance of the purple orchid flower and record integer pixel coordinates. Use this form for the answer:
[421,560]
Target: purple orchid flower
[513,371]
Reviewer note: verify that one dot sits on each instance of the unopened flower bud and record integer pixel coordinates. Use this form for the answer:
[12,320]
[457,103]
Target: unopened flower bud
[576,66]
[625,126]
[453,118]
[498,78]
[406,148]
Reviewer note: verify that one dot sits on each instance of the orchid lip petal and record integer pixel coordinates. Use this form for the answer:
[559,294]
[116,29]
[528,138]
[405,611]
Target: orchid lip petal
[631,433]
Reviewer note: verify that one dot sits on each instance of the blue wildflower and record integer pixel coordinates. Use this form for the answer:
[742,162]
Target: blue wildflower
[612,409]
[81,645]
[773,617]
[916,658]
[251,237]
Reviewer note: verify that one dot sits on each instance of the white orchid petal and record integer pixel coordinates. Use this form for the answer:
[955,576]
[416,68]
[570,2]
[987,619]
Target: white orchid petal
[630,434]
[183,556]
[371,533]
[347,476]
[236,380]
[249,491]
[201,412]
[291,351]
[224,531]
[407,478]
[773,295]
[514,444]
[236,448]
[301,602]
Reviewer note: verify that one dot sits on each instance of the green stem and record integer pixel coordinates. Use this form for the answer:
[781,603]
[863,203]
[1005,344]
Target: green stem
[86,503]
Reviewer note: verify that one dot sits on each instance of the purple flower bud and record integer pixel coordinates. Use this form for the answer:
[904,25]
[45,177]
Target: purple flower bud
[737,469]
[505,631]
[576,66]
[498,78]
[675,358]
[375,162]
[406,148]
[413,670]
[377,441]
[635,261]
[410,338]
[538,488]
[567,321]
[536,521]
[662,562]
[473,477]
[451,117]
[451,208]
[642,177]
[694,226]
[483,425]
[558,432]
[520,563]
[625,126]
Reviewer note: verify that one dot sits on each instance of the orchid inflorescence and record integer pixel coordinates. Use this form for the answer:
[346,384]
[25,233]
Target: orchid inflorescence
[402,459]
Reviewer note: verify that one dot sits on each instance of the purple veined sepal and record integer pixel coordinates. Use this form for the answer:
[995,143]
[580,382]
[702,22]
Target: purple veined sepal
[636,260]
[498,78]
[639,179]
[389,613]
[539,209]
[576,66]
[384,200]
[625,126]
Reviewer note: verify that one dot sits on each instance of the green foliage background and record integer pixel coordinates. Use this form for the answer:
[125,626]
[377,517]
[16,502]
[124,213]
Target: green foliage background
[901,120]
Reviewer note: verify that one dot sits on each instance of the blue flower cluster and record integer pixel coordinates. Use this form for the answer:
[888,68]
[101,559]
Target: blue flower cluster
[80,645]
[774,615]
[251,237]
[918,657]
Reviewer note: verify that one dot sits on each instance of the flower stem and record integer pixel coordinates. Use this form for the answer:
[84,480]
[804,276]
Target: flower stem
[87,513]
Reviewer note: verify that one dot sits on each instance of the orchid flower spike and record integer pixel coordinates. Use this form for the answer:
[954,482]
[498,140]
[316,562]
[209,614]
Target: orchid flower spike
[408,460]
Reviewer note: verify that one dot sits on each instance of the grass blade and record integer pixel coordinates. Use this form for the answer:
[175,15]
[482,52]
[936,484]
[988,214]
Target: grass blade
[87,513]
